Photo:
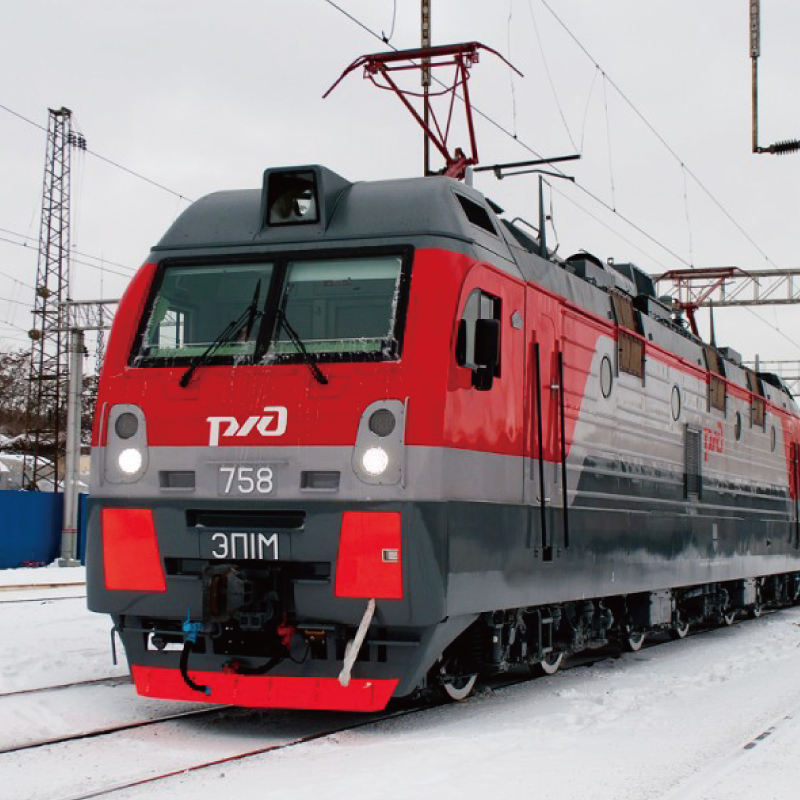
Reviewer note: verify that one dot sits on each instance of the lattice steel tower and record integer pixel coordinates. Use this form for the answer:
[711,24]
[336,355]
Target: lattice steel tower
[49,362]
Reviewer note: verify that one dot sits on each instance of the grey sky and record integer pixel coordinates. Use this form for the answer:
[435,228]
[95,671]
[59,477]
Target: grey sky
[201,96]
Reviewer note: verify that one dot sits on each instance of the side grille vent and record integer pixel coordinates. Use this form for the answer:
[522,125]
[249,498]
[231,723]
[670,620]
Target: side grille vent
[693,480]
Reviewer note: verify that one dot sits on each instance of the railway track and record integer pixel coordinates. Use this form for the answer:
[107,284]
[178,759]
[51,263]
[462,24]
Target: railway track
[106,731]
[272,748]
[701,784]
[40,589]
[43,599]
[222,728]
[150,733]
[61,686]
[39,586]
[316,727]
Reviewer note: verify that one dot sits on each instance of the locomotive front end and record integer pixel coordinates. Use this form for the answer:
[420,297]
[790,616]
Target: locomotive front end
[251,531]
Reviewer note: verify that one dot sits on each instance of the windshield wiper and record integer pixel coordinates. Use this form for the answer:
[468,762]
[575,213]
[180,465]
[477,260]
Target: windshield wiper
[243,322]
[298,343]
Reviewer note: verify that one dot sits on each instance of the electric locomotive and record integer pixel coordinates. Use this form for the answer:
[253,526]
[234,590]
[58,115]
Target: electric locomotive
[358,440]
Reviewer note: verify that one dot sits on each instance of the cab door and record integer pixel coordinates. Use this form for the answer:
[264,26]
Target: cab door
[544,406]
[483,421]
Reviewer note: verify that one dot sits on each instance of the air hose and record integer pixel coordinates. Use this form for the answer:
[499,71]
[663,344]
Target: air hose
[191,629]
[261,669]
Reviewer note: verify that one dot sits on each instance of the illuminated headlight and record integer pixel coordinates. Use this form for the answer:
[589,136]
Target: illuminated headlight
[130,461]
[375,460]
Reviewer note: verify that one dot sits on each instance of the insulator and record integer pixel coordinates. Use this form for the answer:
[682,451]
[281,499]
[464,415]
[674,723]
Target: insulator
[781,148]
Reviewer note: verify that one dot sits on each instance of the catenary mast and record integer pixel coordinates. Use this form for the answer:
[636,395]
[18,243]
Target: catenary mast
[48,365]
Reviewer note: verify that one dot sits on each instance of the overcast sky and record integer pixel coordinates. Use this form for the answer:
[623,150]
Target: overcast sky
[202,95]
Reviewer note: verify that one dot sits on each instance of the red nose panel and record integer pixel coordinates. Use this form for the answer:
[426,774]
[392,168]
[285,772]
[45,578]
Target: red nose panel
[267,691]
[131,560]
[369,563]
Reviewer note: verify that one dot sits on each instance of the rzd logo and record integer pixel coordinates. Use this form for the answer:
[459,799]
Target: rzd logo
[272,423]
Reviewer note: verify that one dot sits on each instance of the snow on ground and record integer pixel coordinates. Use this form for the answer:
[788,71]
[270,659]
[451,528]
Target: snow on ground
[633,728]
[50,641]
[714,717]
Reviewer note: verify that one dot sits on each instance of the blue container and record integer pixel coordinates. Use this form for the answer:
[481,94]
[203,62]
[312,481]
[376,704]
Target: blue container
[30,527]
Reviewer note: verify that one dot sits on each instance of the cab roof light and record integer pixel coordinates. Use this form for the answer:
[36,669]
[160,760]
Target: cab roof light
[369,562]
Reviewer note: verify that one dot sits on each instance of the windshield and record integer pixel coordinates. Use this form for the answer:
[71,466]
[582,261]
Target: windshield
[345,305]
[335,308]
[194,305]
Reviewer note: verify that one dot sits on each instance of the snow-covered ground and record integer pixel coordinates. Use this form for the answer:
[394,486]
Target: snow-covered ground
[716,716]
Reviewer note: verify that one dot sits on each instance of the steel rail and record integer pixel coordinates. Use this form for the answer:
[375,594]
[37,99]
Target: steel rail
[579,660]
[61,686]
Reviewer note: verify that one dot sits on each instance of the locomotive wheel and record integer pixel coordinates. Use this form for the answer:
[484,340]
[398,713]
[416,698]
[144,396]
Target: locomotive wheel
[728,618]
[755,611]
[549,665]
[633,642]
[459,688]
[679,630]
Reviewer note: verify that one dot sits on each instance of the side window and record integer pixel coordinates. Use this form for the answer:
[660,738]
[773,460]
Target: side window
[717,388]
[630,348]
[476,214]
[478,341]
[758,416]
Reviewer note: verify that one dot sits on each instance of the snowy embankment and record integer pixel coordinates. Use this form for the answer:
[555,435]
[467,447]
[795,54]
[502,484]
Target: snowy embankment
[681,721]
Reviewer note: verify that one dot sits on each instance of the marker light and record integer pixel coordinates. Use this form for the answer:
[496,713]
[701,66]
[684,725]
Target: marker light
[130,461]
[368,563]
[375,460]
[126,425]
[131,559]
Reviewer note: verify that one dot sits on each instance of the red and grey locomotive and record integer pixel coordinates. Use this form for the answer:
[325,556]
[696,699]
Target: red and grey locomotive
[355,440]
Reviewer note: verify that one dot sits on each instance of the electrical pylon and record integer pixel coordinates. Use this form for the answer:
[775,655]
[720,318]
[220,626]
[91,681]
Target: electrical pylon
[49,366]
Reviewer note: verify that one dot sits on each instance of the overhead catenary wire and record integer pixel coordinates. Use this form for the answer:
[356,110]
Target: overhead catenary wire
[73,251]
[586,109]
[75,260]
[388,38]
[686,171]
[103,158]
[605,225]
[608,141]
[658,136]
[477,111]
[583,188]
[688,215]
[17,280]
[552,84]
[511,72]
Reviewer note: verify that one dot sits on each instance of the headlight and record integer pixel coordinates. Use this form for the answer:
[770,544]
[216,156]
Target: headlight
[126,455]
[126,425]
[378,456]
[375,460]
[130,461]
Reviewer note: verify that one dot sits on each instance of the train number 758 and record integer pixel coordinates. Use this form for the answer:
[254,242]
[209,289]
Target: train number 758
[246,480]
